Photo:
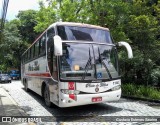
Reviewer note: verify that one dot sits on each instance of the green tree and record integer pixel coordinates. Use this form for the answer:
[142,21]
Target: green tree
[27,22]
[46,16]
[142,30]
[134,21]
[12,46]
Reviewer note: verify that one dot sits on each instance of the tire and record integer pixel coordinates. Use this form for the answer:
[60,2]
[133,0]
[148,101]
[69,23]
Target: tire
[26,86]
[47,97]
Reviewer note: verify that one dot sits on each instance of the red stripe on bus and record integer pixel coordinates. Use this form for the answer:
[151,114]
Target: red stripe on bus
[39,74]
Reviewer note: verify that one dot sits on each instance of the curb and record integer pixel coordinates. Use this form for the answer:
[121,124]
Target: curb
[22,112]
[142,99]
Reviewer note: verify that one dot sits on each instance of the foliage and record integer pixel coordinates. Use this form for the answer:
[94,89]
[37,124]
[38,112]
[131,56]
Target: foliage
[142,29]
[140,91]
[12,46]
[134,21]
[155,76]
[45,16]
[76,11]
[27,22]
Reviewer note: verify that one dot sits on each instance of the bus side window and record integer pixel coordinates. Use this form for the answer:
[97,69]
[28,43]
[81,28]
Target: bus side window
[50,42]
[37,49]
[33,51]
[52,60]
[26,56]
[43,44]
[30,51]
[50,33]
[62,32]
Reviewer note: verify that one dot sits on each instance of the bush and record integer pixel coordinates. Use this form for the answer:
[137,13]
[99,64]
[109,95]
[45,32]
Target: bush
[140,91]
[155,77]
[128,89]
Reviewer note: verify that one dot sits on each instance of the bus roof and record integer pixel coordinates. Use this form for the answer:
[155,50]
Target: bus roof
[68,24]
[77,24]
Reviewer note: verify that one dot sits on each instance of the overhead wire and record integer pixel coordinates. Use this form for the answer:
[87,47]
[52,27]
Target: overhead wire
[1,15]
[4,12]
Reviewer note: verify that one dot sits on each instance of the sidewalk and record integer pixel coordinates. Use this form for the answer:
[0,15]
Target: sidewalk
[8,107]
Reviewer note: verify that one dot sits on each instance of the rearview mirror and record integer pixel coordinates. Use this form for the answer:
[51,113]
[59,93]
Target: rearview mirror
[57,45]
[128,47]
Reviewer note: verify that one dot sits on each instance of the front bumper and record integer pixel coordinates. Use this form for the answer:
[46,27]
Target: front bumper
[84,99]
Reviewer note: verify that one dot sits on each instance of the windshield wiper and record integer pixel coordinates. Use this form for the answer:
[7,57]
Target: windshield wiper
[103,63]
[87,65]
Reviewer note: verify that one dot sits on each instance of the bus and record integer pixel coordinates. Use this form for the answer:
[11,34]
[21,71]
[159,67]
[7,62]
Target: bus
[72,64]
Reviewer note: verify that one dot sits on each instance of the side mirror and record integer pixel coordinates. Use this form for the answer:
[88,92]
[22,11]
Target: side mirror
[128,47]
[57,45]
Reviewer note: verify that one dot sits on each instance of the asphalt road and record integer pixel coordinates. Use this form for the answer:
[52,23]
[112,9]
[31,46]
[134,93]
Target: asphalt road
[34,105]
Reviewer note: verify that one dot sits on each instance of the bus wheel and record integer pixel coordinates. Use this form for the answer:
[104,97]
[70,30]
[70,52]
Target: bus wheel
[47,96]
[26,86]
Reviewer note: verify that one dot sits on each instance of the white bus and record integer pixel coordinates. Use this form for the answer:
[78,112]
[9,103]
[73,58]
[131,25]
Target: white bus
[73,64]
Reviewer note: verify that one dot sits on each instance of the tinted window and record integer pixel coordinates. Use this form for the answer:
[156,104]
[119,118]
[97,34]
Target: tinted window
[84,33]
[95,62]
[42,44]
[50,32]
[29,54]
[33,51]
[37,49]
[26,56]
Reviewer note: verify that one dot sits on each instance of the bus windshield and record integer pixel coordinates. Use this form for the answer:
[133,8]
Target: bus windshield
[84,33]
[88,62]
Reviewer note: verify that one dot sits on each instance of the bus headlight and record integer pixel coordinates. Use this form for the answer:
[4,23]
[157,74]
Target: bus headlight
[116,88]
[66,91]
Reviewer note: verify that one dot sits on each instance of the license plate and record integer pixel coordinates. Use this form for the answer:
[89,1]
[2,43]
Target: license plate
[96,99]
